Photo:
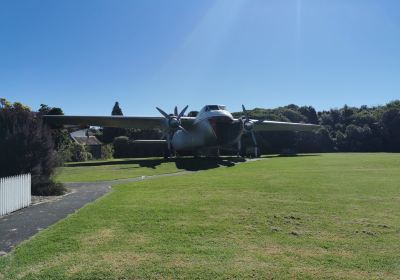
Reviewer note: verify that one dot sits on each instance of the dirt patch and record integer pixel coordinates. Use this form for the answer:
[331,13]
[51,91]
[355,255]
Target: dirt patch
[119,261]
[101,236]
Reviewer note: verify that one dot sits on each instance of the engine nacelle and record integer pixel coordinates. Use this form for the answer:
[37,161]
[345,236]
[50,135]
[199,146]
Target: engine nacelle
[183,141]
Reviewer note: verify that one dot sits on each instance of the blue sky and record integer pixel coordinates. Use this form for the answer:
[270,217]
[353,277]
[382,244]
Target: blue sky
[85,55]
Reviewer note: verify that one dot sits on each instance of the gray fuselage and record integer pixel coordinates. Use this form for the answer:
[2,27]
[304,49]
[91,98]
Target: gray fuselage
[214,127]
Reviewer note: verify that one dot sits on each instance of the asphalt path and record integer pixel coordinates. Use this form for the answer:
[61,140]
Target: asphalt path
[25,223]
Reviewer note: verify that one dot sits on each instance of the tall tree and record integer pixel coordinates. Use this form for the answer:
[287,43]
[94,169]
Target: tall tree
[116,111]
[110,133]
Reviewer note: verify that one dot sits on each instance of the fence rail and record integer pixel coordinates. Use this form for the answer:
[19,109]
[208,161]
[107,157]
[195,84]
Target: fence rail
[15,193]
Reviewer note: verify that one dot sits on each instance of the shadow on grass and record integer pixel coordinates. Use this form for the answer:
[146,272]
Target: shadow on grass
[195,164]
[290,155]
[189,164]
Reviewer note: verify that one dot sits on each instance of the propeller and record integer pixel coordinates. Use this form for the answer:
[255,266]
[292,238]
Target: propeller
[248,126]
[173,123]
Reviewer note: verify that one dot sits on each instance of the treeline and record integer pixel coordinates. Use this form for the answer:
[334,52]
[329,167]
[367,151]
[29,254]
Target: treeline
[346,129]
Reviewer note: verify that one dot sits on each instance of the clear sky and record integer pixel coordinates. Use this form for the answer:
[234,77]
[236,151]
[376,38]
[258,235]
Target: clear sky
[83,56]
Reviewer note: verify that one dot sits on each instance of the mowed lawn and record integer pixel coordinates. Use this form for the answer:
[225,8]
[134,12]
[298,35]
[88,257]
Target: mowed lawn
[324,216]
[113,169]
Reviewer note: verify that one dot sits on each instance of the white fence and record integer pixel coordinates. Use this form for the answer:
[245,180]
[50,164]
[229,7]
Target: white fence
[15,193]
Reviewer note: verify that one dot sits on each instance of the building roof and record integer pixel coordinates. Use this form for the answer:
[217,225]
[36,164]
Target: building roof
[89,141]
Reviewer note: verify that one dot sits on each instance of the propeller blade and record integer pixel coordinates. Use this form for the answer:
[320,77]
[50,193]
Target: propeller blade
[163,113]
[183,112]
[245,112]
[176,111]
[164,135]
[254,138]
[183,129]
[169,144]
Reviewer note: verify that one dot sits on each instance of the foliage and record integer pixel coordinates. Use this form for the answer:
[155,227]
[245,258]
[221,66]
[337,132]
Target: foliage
[390,123]
[61,138]
[120,146]
[46,110]
[110,133]
[116,111]
[26,146]
[107,151]
[79,153]
[348,129]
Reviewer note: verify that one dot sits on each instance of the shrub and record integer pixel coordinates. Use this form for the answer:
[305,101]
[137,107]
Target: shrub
[121,145]
[107,151]
[26,146]
[79,153]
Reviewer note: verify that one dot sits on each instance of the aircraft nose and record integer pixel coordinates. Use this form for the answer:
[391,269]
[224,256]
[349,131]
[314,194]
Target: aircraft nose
[224,129]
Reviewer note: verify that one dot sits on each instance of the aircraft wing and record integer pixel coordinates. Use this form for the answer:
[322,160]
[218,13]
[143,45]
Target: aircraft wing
[113,121]
[283,126]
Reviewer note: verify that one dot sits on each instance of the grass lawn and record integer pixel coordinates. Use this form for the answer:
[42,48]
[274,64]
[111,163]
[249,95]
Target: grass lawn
[113,169]
[92,171]
[325,216]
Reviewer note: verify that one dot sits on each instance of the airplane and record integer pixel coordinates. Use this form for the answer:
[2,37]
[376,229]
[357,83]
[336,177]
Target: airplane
[213,128]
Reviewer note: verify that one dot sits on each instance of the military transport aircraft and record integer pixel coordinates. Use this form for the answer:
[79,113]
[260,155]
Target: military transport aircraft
[213,127]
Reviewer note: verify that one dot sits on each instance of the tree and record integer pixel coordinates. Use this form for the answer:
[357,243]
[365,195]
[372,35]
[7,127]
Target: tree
[390,123]
[310,113]
[116,111]
[61,138]
[46,110]
[110,133]
[26,146]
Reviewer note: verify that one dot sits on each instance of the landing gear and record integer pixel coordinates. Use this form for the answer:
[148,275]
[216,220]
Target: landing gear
[169,153]
[239,149]
[252,152]
[212,153]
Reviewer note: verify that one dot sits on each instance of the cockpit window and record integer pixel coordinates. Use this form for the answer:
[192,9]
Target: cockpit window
[214,108]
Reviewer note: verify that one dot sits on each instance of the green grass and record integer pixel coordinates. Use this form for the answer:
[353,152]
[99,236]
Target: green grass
[330,216]
[92,171]
[113,169]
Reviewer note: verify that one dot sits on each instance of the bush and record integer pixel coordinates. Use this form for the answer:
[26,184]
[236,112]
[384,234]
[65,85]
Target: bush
[107,151]
[121,145]
[26,146]
[64,154]
[79,153]
[49,187]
